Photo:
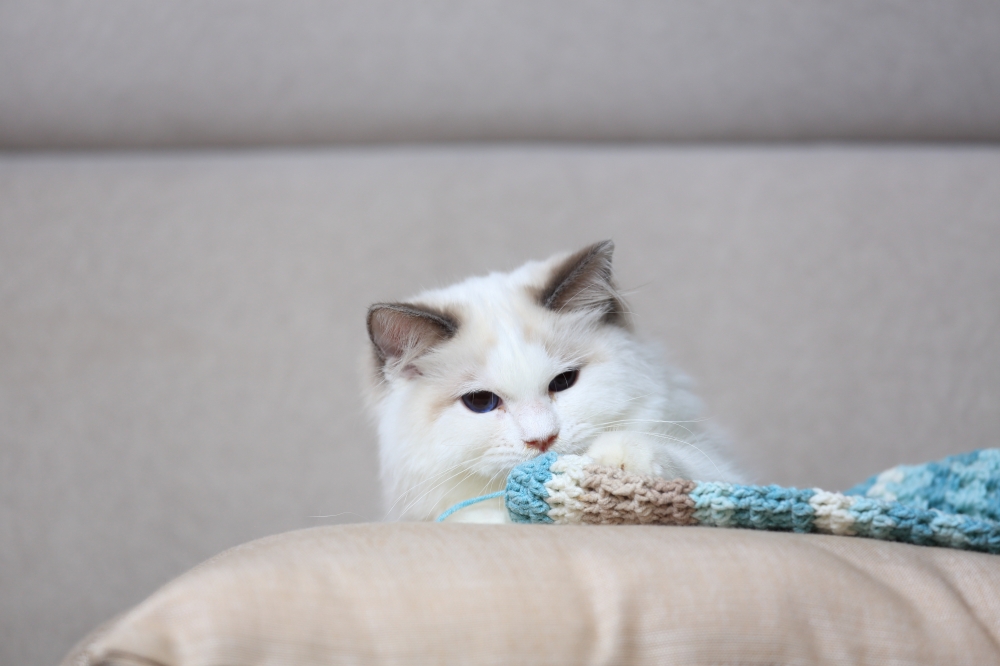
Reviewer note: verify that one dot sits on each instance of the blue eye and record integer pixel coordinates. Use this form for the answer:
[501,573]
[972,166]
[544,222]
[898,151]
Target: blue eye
[564,380]
[481,401]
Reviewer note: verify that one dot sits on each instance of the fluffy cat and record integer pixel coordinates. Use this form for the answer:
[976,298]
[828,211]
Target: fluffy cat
[471,380]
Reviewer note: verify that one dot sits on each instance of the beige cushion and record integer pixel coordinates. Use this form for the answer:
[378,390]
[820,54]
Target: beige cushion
[459,594]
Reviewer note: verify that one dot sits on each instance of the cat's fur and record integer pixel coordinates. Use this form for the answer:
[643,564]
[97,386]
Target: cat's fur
[511,334]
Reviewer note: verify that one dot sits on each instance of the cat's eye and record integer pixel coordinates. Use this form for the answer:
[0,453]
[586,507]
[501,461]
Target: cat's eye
[481,401]
[563,380]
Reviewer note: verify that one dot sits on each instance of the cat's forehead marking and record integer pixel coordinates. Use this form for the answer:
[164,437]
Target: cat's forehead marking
[505,335]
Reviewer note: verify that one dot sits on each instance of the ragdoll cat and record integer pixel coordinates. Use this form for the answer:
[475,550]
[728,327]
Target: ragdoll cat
[473,379]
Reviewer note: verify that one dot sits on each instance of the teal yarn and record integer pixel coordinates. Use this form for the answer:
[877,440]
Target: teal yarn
[526,492]
[966,484]
[524,495]
[894,521]
[753,507]
[953,502]
[469,502]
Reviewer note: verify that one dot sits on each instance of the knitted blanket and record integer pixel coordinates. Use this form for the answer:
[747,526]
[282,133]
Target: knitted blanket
[954,502]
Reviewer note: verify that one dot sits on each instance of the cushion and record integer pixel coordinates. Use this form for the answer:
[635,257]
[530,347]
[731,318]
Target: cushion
[538,594]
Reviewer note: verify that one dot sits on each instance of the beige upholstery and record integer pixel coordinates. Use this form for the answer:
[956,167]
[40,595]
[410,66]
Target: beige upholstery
[451,594]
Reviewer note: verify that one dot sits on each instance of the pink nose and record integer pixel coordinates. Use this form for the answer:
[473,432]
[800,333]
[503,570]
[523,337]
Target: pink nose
[542,445]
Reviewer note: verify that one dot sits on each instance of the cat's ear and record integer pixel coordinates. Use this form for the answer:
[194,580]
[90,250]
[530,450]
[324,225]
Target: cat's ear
[584,281]
[401,331]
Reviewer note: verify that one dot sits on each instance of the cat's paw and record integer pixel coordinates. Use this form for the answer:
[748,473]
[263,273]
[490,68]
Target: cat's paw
[626,451]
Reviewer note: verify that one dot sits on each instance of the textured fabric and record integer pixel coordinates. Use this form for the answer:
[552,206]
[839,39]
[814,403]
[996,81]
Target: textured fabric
[951,502]
[531,594]
[180,334]
[566,490]
[121,73]
[525,495]
[968,483]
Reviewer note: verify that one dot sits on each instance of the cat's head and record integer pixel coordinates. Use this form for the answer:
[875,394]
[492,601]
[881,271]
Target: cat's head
[478,377]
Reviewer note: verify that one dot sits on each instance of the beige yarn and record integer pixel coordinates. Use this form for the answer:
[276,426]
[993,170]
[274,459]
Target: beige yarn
[612,496]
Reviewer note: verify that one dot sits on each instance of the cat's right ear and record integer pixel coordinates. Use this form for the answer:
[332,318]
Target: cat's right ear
[584,281]
[400,332]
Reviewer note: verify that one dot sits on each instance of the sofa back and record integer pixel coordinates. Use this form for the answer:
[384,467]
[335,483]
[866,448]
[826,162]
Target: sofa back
[124,74]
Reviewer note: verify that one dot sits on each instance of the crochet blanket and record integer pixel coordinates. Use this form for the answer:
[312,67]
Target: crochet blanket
[954,502]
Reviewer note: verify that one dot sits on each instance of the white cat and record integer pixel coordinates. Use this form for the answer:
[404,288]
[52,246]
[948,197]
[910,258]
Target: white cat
[473,379]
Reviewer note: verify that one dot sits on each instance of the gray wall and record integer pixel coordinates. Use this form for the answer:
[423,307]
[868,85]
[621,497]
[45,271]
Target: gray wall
[99,73]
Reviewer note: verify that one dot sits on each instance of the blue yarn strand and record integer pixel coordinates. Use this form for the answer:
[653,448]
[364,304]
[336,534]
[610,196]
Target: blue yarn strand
[469,502]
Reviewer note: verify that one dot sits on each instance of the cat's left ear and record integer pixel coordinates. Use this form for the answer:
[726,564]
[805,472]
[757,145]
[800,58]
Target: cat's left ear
[400,332]
[584,281]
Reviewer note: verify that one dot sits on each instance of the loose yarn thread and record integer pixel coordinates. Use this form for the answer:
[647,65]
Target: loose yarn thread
[469,502]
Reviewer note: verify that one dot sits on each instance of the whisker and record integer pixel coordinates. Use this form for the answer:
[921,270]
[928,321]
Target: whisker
[637,397]
[335,515]
[679,441]
[701,420]
[490,481]
[679,424]
[459,481]
[428,491]
[441,476]
[431,478]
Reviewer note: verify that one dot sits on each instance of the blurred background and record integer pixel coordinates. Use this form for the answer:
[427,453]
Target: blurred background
[198,201]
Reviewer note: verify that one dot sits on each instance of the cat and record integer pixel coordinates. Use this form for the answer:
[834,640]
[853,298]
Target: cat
[468,381]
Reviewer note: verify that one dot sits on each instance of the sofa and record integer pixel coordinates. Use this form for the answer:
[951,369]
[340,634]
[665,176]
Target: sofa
[198,201]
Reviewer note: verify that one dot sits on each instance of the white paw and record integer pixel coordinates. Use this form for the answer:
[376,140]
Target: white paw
[626,451]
